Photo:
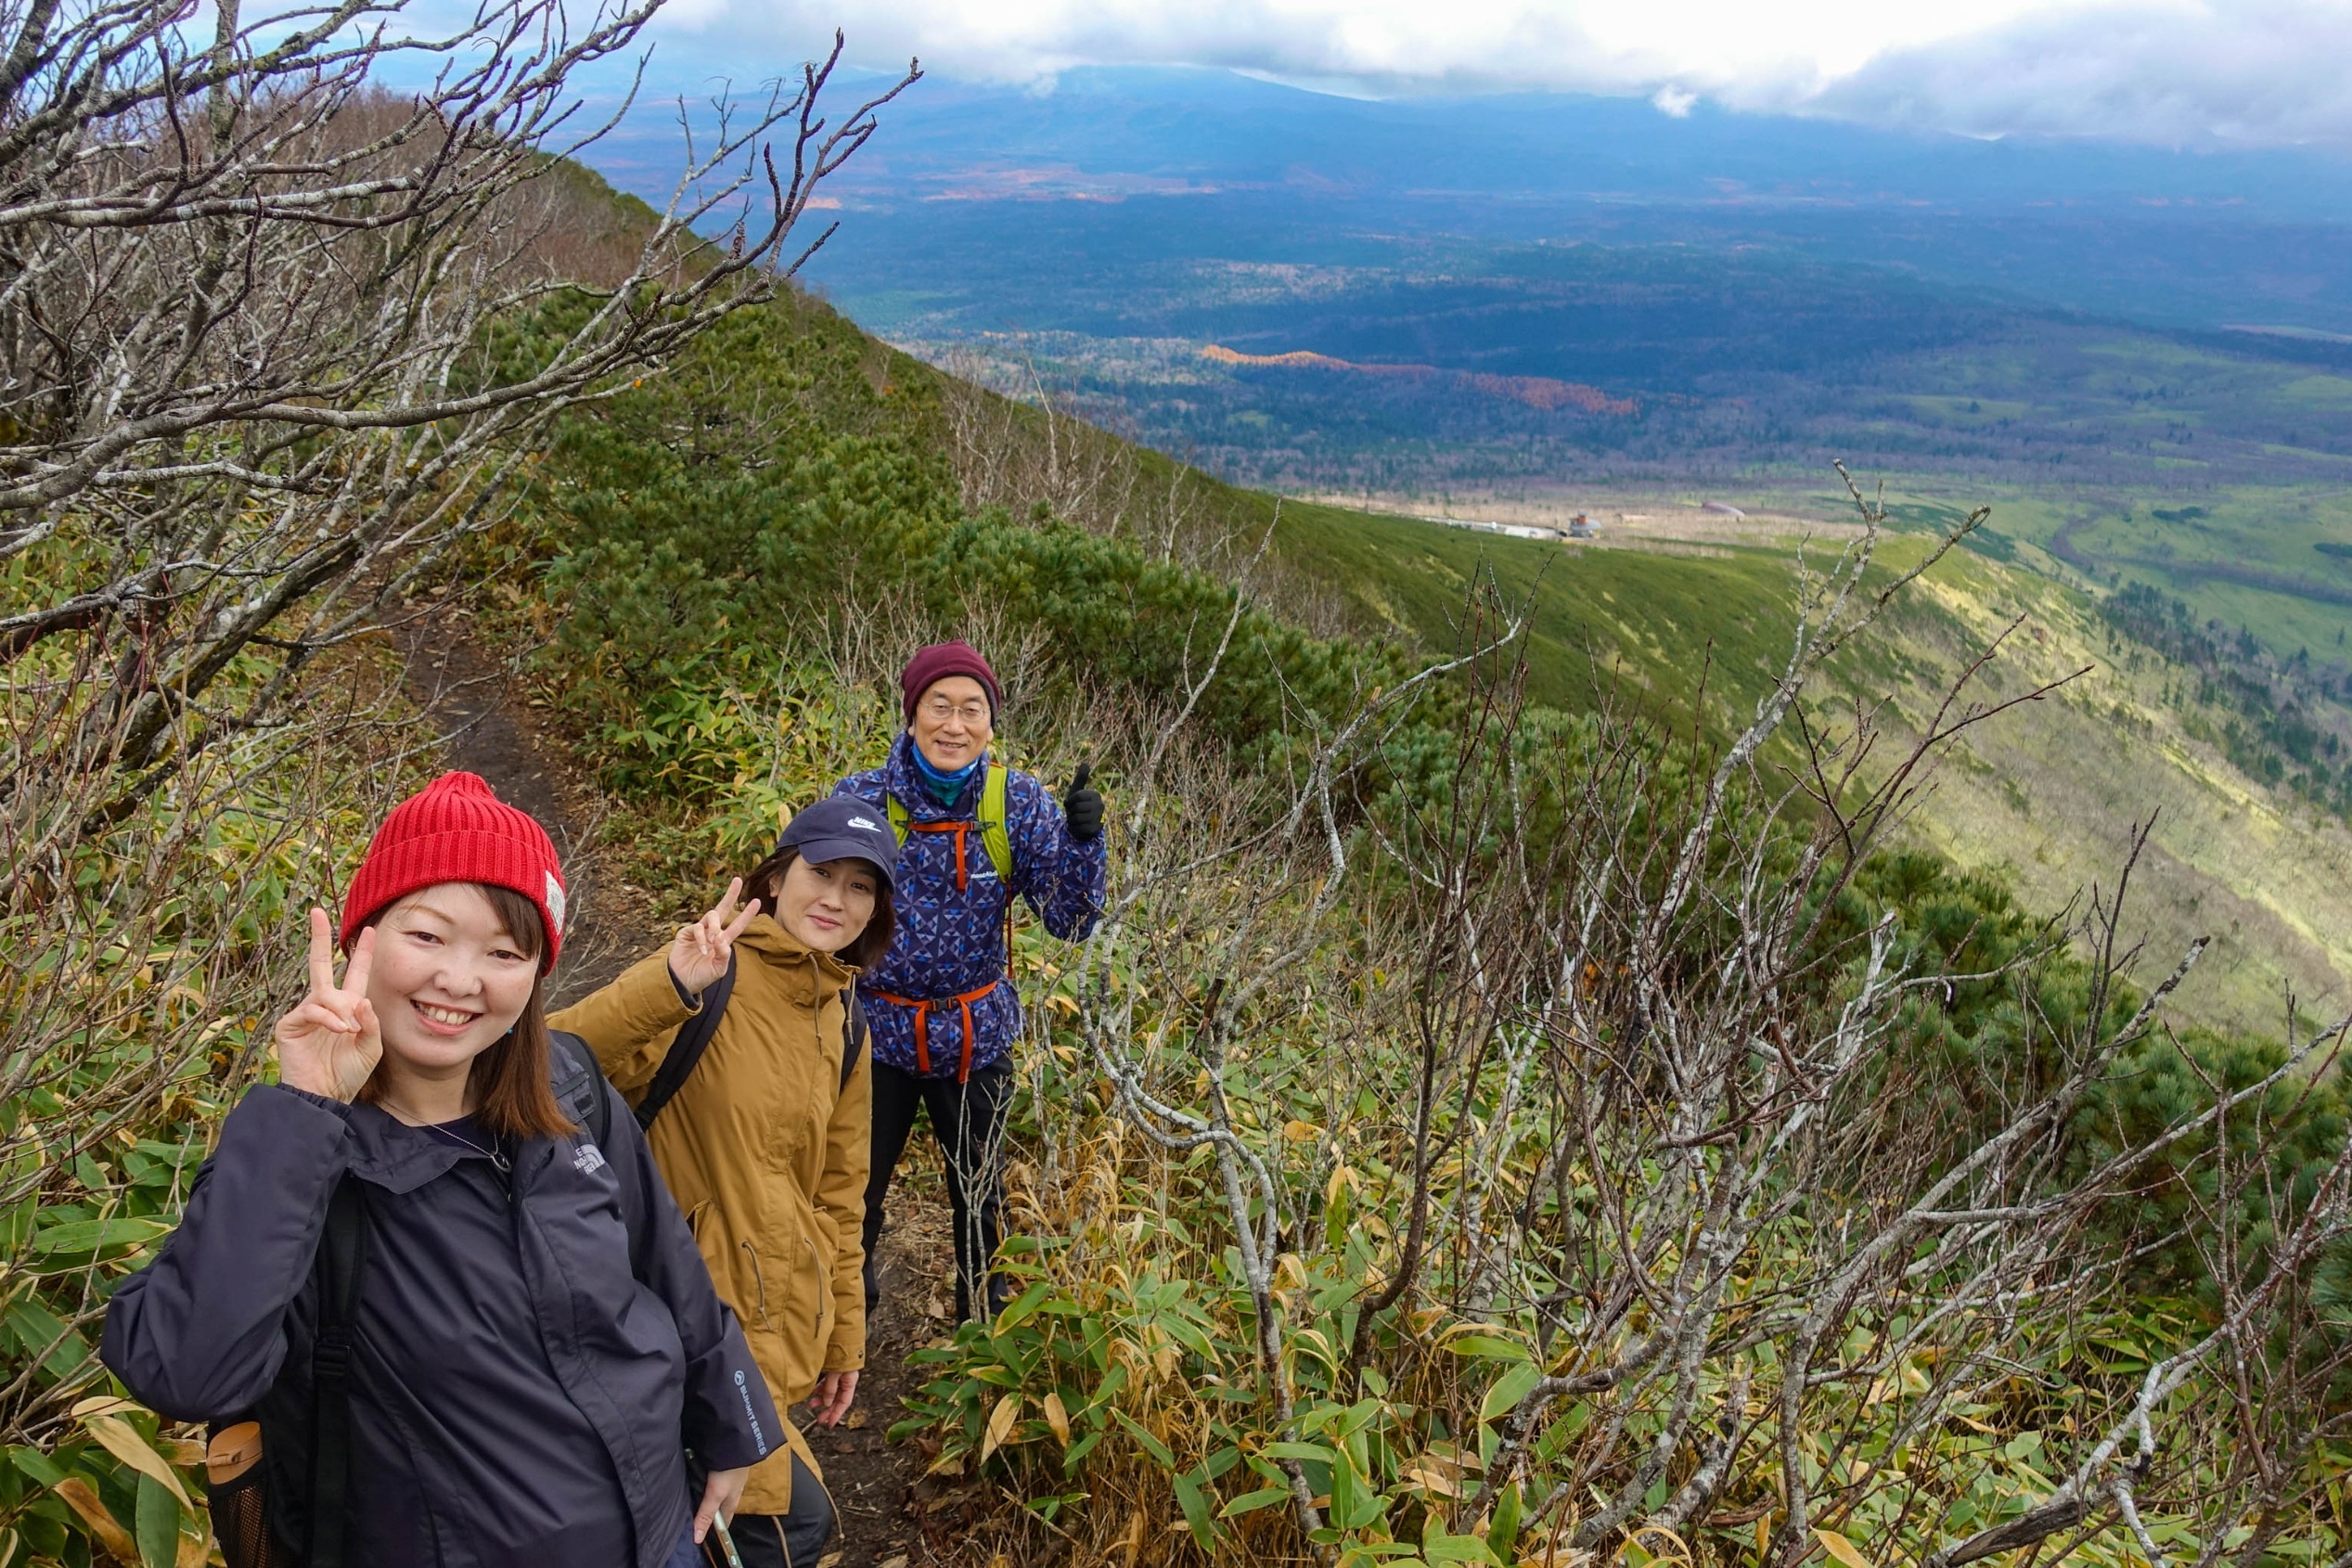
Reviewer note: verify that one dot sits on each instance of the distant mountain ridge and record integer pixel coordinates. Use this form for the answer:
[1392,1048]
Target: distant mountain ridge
[1223,129]
[2174,238]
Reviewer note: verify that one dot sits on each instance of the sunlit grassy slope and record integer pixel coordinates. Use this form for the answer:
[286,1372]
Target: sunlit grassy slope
[2274,559]
[1598,616]
[2049,791]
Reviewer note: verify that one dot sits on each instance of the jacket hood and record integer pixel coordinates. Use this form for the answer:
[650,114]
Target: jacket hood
[819,974]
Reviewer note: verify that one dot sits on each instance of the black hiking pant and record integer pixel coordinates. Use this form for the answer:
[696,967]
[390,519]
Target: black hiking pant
[779,1540]
[969,1120]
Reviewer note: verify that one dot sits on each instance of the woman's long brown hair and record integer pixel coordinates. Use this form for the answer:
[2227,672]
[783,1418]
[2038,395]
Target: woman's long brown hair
[765,880]
[512,1092]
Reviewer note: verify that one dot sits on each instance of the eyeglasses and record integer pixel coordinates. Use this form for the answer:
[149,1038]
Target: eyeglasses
[939,711]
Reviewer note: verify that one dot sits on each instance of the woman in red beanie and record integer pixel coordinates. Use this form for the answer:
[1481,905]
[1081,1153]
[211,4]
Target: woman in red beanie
[533,1348]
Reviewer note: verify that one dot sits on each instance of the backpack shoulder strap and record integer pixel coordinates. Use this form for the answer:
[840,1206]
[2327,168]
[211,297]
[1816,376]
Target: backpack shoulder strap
[579,1085]
[343,1256]
[853,1035]
[686,1050]
[995,833]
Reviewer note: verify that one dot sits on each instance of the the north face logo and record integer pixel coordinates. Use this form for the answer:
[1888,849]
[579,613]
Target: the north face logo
[587,1158]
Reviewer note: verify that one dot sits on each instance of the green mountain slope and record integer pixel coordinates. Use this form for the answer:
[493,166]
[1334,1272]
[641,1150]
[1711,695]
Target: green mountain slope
[728,564]
[2047,793]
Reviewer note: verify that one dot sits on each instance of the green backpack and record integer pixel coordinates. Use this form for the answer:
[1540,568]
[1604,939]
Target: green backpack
[995,836]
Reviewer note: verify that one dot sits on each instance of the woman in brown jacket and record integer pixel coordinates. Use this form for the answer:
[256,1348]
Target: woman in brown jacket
[765,1145]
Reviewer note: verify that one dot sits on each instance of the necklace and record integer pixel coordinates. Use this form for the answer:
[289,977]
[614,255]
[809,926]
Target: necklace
[493,1153]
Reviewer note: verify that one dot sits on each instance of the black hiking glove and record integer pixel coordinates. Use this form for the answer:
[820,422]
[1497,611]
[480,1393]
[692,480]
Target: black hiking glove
[1082,803]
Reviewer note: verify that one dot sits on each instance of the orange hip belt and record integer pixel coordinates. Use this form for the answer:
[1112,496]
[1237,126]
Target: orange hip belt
[924,1007]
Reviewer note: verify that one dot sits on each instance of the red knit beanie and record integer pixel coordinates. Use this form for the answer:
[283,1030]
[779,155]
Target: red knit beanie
[938,661]
[456,830]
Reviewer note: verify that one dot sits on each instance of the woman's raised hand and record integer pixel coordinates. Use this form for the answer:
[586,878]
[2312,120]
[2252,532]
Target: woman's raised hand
[331,1042]
[699,953]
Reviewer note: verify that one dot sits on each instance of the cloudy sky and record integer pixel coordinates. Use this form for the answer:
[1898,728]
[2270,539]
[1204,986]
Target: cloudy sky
[2165,71]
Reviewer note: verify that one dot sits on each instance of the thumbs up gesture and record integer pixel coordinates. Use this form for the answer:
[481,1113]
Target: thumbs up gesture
[1082,803]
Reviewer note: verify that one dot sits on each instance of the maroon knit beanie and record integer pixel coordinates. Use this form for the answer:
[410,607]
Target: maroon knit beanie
[456,830]
[938,661]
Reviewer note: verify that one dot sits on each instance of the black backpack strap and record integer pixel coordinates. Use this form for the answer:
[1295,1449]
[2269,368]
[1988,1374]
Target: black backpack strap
[853,1035]
[579,1084]
[693,1039]
[343,1255]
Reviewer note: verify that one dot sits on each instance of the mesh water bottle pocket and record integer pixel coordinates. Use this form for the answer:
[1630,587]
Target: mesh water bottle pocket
[232,1487]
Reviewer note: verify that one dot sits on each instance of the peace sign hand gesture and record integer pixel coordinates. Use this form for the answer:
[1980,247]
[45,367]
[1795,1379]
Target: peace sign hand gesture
[699,953]
[331,1041]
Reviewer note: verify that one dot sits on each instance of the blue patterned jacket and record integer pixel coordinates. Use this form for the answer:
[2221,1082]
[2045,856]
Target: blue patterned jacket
[951,943]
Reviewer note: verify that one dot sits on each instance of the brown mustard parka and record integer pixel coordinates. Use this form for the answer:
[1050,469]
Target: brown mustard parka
[766,1151]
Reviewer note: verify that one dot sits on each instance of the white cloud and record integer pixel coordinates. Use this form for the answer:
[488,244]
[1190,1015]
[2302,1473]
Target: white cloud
[2164,71]
[1674,101]
[2258,73]
[1578,44]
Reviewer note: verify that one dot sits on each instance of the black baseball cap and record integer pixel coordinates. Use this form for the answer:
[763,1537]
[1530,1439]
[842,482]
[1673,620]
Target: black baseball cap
[844,828]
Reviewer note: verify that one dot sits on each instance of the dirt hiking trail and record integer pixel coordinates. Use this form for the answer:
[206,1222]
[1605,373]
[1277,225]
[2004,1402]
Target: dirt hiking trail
[877,1489]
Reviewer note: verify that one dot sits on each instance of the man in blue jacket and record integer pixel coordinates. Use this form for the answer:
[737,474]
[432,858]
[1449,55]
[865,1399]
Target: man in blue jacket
[976,835]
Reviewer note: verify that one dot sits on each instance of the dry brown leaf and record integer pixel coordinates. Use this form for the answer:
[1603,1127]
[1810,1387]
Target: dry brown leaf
[83,1499]
[1837,1546]
[1058,1418]
[1000,1421]
[1430,1478]
[120,1439]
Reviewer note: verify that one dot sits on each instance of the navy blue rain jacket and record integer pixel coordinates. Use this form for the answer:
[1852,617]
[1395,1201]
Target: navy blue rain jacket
[530,1361]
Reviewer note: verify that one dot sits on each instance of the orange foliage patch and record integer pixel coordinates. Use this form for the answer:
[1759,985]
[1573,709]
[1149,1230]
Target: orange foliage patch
[1536,391]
